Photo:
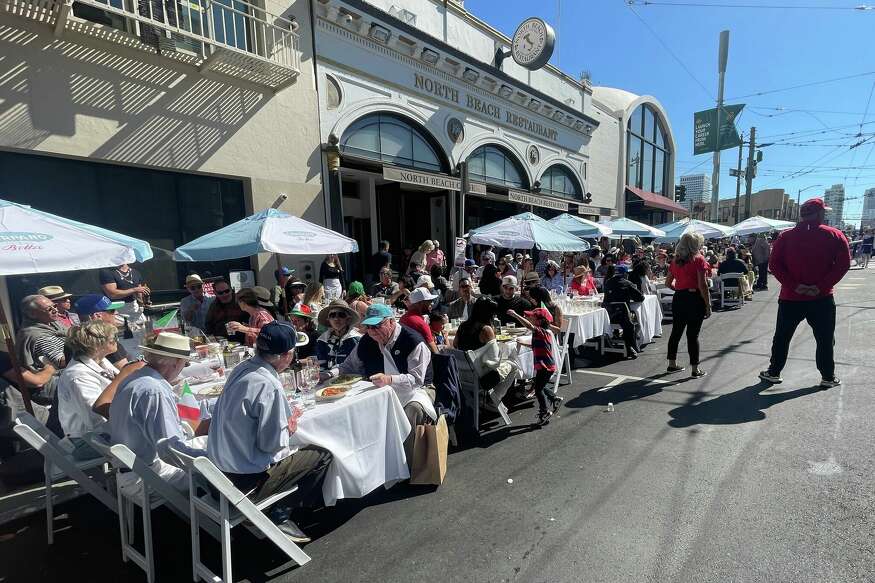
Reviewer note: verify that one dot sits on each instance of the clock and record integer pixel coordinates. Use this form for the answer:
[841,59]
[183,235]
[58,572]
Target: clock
[532,44]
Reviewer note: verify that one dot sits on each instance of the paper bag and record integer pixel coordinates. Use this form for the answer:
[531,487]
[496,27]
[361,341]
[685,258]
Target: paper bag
[430,453]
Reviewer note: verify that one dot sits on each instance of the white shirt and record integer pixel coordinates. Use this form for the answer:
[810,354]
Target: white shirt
[78,388]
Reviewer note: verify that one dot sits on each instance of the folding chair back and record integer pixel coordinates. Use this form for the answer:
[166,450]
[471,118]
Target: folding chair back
[203,471]
[734,286]
[617,311]
[39,437]
[564,360]
[467,424]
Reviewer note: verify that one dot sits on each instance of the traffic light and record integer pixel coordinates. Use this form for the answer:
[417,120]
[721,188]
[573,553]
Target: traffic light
[680,193]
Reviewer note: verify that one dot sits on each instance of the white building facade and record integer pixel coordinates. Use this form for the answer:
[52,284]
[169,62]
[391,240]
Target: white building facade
[834,197]
[698,189]
[868,217]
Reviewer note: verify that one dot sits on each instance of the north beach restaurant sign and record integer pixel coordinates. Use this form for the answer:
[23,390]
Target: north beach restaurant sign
[535,200]
[439,181]
[483,107]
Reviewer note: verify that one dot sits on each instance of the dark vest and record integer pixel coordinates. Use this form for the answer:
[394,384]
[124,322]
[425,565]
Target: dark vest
[369,351]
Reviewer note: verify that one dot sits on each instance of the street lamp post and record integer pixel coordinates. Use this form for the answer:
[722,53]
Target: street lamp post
[799,196]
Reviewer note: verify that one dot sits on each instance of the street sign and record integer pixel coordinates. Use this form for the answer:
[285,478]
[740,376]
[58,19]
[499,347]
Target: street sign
[705,135]
[736,172]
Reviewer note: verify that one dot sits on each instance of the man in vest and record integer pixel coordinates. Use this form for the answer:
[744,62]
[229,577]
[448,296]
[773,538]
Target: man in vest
[390,354]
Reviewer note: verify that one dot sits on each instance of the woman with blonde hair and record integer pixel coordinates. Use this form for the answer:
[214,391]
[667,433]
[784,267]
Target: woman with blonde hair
[84,379]
[692,301]
[419,256]
[314,296]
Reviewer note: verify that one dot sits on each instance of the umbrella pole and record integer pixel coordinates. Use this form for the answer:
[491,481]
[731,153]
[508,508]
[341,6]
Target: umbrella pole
[279,265]
[5,331]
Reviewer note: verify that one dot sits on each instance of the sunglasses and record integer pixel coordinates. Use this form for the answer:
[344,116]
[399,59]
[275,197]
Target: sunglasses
[340,315]
[224,292]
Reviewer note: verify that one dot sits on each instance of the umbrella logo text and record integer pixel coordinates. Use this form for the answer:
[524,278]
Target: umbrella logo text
[300,234]
[22,237]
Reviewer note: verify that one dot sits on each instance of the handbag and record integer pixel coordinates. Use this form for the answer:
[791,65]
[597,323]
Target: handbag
[430,453]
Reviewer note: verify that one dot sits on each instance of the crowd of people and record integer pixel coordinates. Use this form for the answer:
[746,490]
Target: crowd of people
[80,378]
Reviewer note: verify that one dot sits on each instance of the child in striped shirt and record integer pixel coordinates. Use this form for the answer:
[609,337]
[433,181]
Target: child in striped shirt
[540,321]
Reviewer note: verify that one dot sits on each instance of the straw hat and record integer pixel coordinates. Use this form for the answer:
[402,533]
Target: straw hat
[335,305]
[54,293]
[170,344]
[263,296]
[193,278]
[580,271]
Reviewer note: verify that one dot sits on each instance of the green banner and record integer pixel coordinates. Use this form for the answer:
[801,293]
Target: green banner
[705,135]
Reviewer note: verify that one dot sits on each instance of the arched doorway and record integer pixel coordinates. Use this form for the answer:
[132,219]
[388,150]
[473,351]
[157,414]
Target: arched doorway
[500,170]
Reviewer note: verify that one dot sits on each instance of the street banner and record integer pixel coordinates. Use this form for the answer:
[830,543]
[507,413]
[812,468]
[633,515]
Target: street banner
[704,129]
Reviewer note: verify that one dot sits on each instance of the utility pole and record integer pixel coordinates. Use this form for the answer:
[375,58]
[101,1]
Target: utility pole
[721,75]
[738,180]
[750,171]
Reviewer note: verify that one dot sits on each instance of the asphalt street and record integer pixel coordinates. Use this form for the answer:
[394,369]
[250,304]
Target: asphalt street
[722,478]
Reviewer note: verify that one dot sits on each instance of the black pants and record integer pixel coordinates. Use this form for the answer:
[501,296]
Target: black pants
[630,333]
[305,468]
[688,312]
[762,275]
[542,392]
[821,316]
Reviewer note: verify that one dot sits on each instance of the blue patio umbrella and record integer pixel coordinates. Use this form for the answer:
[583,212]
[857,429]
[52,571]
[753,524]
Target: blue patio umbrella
[524,231]
[624,227]
[267,231]
[580,227]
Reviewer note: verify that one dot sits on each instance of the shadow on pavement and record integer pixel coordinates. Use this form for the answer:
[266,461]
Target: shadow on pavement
[742,406]
[630,390]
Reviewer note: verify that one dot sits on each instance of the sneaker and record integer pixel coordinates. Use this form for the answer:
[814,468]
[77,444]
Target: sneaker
[676,369]
[771,378]
[530,394]
[831,382]
[557,404]
[543,418]
[293,532]
[698,373]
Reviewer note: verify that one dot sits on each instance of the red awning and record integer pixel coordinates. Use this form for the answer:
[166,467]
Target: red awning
[657,201]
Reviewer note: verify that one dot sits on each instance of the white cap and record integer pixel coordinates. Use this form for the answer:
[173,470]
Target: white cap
[425,280]
[421,294]
[509,280]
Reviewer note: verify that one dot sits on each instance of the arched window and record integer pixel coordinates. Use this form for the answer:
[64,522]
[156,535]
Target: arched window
[391,138]
[647,153]
[495,165]
[559,181]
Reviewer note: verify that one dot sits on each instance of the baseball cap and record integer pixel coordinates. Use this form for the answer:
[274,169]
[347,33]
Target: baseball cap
[540,313]
[421,294]
[193,278]
[285,271]
[425,280]
[93,303]
[621,269]
[470,263]
[509,280]
[812,205]
[356,288]
[278,338]
[376,313]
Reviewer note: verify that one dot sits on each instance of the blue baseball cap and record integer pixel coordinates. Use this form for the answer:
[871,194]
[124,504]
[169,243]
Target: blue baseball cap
[279,337]
[470,262]
[93,303]
[376,313]
[283,271]
[621,269]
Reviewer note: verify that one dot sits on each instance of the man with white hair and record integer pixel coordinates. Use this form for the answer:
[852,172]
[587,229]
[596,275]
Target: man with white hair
[250,428]
[144,411]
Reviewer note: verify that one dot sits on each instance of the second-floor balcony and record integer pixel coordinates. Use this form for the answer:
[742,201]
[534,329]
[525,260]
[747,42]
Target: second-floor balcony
[228,37]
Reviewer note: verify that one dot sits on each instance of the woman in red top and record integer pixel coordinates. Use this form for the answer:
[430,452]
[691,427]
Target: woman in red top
[254,303]
[582,282]
[691,303]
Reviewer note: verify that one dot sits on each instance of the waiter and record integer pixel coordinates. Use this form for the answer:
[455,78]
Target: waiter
[808,260]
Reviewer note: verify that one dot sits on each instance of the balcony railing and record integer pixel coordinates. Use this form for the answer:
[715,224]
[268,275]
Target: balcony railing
[230,37]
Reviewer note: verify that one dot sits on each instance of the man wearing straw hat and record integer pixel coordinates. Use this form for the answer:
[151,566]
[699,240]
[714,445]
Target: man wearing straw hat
[144,411]
[61,299]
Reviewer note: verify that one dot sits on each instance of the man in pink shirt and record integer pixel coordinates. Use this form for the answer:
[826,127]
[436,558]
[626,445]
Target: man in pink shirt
[808,260]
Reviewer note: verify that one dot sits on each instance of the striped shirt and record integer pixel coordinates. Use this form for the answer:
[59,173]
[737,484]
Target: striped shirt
[542,349]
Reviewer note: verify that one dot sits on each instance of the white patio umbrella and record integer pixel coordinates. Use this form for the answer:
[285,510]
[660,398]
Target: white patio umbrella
[524,231]
[34,241]
[758,224]
[675,230]
[580,227]
[628,228]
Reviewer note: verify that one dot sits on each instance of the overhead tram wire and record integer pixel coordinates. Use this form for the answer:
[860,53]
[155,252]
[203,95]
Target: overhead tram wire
[856,8]
[803,85]
[862,121]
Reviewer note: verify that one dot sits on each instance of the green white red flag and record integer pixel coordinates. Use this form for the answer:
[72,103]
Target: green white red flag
[187,405]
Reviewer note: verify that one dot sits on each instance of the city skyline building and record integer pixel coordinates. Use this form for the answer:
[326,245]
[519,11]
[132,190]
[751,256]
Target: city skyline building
[868,217]
[698,189]
[834,197]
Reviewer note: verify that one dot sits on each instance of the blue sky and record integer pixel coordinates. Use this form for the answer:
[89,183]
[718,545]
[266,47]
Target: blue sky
[769,49]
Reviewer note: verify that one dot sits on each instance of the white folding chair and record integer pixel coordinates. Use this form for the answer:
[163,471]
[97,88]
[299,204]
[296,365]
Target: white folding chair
[736,290]
[155,492]
[502,408]
[58,462]
[232,508]
[564,360]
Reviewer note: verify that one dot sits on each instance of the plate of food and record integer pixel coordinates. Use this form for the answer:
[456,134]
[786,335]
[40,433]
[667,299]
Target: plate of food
[504,337]
[346,379]
[332,393]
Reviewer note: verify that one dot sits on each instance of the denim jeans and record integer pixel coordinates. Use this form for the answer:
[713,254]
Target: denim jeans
[762,275]
[821,316]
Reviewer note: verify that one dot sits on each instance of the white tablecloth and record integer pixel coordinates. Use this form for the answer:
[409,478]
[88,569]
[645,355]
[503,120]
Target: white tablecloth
[649,318]
[521,354]
[365,431]
[588,326]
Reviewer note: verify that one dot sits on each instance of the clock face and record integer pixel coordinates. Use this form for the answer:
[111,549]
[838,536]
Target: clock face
[532,44]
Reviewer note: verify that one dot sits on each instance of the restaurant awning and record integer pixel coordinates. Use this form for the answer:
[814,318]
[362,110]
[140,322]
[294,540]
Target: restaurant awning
[653,200]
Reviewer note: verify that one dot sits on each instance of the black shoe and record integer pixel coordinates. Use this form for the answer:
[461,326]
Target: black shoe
[698,373]
[543,418]
[676,369]
[828,383]
[557,404]
[292,532]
